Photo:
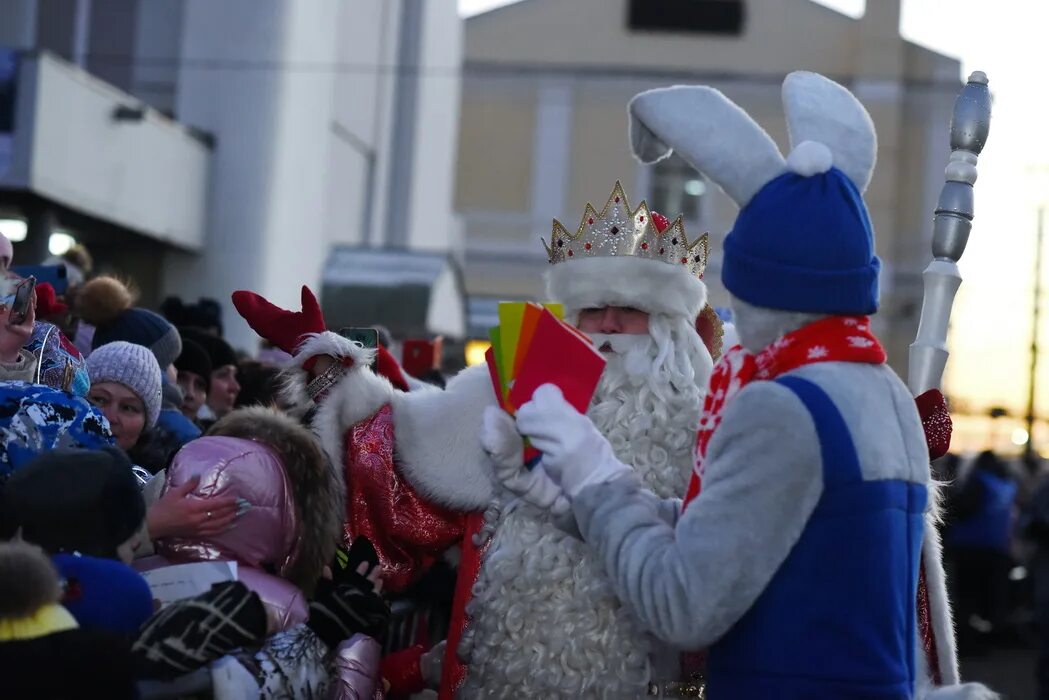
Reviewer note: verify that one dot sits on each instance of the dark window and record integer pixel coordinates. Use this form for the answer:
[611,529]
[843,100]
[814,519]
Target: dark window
[687,16]
[8,81]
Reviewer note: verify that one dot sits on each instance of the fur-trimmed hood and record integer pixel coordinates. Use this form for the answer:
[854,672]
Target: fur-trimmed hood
[297,498]
[436,441]
[320,493]
[435,431]
[294,378]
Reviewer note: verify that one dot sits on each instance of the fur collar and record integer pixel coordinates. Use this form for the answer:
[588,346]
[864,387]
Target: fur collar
[436,432]
[318,485]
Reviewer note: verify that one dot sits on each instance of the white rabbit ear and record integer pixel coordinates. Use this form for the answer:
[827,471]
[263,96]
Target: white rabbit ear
[710,132]
[820,110]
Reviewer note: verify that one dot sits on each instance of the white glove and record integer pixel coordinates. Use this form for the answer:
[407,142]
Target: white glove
[575,454]
[500,439]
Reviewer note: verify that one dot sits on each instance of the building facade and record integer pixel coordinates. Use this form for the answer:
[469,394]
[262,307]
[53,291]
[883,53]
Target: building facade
[319,129]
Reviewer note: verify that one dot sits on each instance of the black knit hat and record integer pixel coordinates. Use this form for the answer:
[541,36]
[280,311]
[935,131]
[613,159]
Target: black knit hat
[218,350]
[205,314]
[85,501]
[195,359]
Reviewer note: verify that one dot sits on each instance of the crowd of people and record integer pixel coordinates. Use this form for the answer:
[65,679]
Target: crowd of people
[752,522]
[135,440]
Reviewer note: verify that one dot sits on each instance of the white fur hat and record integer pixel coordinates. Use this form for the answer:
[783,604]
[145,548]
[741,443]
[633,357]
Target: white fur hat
[625,257]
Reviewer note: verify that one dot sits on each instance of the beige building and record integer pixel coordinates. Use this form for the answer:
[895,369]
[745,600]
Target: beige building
[544,125]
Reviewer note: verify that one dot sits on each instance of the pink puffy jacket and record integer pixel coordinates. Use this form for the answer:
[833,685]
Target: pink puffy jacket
[264,540]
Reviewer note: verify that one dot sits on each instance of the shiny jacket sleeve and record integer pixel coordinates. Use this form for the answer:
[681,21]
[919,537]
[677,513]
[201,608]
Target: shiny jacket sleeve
[355,673]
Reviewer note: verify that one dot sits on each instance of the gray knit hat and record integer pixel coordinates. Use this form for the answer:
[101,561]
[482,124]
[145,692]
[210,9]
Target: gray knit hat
[132,365]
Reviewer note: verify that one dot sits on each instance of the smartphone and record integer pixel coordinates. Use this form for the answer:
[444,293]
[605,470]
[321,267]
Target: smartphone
[368,337]
[23,298]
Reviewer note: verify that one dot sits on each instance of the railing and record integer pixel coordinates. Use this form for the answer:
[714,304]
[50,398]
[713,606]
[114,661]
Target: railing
[412,624]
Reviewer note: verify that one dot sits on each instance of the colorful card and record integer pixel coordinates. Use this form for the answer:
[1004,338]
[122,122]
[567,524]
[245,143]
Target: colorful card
[558,355]
[533,346]
[494,363]
[532,312]
[493,373]
[511,313]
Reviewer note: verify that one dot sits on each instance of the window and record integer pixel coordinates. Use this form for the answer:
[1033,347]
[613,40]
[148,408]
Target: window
[676,188]
[8,80]
[723,17]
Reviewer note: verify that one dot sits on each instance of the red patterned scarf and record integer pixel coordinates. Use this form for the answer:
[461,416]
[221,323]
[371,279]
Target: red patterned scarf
[832,339]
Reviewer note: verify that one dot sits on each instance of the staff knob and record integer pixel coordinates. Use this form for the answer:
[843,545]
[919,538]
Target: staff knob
[972,115]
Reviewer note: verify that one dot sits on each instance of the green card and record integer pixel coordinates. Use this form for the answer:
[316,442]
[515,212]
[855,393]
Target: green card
[511,313]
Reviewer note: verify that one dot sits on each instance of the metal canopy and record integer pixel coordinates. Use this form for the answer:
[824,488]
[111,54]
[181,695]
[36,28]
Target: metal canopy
[413,294]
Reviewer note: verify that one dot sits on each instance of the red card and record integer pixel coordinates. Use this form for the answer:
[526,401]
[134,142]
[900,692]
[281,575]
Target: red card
[493,374]
[558,355]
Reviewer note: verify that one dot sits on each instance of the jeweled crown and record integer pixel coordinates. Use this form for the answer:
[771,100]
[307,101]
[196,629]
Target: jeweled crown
[616,231]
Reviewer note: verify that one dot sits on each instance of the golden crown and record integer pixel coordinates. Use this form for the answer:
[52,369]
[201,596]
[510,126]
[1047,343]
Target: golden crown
[617,230]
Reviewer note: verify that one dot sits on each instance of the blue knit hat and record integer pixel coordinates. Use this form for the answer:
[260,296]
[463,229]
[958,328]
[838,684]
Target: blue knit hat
[145,328]
[804,244]
[803,239]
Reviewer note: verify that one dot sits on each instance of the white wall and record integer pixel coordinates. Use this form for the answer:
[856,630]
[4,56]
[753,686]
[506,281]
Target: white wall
[158,36]
[266,228]
[362,93]
[433,226]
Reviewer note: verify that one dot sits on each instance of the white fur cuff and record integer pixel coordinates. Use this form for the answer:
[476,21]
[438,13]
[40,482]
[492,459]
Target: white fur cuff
[648,285]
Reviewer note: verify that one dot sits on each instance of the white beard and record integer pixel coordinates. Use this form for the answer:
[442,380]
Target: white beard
[545,620]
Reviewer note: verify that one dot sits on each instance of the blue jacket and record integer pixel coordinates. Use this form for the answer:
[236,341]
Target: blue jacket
[174,422]
[991,525]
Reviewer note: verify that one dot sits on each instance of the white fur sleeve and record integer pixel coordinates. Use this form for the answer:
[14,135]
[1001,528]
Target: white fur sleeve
[689,583]
[438,441]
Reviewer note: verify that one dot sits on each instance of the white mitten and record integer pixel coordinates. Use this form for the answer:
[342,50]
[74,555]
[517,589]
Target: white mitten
[500,439]
[575,454]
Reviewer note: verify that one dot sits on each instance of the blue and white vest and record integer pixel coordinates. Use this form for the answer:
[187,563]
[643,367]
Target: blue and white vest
[838,618]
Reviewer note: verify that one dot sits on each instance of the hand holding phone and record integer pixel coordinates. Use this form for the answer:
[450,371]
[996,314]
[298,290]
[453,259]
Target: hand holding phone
[17,318]
[24,297]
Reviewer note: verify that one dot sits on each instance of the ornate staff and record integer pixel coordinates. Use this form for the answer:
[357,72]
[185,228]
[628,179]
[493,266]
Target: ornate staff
[928,356]
[951,226]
